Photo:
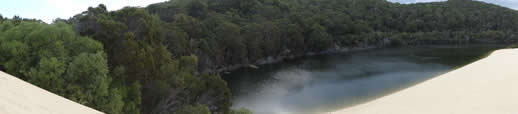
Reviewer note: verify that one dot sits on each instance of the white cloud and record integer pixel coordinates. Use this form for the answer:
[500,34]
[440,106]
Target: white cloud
[513,4]
[48,10]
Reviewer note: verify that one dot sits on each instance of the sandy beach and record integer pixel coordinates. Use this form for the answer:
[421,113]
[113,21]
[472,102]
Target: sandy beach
[20,97]
[488,86]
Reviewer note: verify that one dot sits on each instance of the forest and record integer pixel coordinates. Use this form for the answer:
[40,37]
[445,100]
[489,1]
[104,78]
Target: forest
[166,57]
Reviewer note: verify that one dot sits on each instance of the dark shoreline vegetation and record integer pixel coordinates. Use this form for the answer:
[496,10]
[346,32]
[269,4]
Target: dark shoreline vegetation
[163,58]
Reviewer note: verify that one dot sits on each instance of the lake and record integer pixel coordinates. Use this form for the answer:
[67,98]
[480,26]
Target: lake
[324,83]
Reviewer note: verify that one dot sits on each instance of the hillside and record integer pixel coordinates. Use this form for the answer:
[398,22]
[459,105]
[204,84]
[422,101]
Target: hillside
[165,58]
[274,28]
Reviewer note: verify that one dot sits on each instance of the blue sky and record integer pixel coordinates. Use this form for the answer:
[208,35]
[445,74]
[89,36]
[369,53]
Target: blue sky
[48,10]
[513,4]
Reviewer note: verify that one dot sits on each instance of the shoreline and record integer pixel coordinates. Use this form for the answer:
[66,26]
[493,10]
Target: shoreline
[278,59]
[489,85]
[336,50]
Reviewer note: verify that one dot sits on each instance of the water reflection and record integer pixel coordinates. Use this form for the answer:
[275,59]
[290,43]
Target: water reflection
[331,82]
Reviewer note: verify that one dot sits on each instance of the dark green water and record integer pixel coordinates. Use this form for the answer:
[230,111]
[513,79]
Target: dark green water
[326,83]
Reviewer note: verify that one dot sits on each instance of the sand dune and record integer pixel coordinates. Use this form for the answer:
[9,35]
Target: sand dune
[488,86]
[19,97]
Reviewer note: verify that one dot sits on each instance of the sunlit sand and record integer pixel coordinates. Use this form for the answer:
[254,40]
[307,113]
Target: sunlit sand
[19,97]
[488,86]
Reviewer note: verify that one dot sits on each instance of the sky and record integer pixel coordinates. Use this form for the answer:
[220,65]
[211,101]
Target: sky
[513,4]
[48,10]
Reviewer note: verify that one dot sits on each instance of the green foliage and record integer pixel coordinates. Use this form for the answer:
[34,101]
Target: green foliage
[190,25]
[124,99]
[233,47]
[90,73]
[136,44]
[238,32]
[241,111]
[319,39]
[197,8]
[168,46]
[158,59]
[48,74]
[188,64]
[48,56]
[189,109]
[216,94]
[116,104]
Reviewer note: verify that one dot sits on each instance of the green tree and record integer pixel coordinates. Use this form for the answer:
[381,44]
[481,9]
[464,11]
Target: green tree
[229,36]
[168,47]
[319,39]
[198,8]
[90,73]
[241,111]
[189,109]
[48,74]
[47,56]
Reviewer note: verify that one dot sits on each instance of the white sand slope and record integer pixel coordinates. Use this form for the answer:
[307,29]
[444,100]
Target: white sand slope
[488,86]
[20,97]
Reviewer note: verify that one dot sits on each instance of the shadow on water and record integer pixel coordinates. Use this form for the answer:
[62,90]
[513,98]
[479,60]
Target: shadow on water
[330,82]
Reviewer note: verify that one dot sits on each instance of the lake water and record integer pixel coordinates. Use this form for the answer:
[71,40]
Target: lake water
[324,83]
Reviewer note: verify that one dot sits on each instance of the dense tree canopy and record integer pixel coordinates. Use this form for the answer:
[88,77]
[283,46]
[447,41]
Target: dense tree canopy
[274,28]
[165,58]
[54,57]
[135,41]
[155,43]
